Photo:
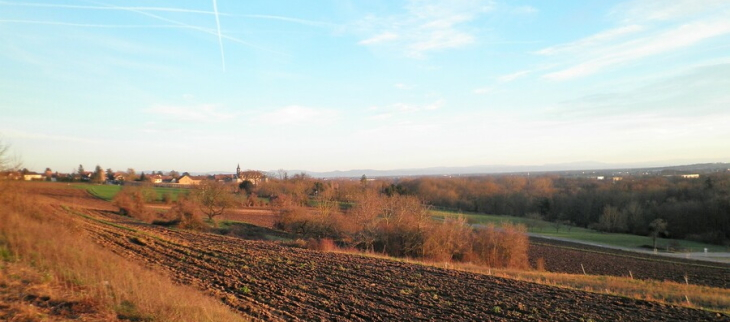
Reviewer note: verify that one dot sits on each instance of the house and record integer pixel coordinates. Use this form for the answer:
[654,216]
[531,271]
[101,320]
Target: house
[120,176]
[32,176]
[154,178]
[188,180]
[690,176]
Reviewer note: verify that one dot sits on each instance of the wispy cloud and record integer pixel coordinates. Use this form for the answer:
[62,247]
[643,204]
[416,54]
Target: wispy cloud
[426,26]
[513,76]
[203,113]
[693,92]
[380,38]
[298,115]
[404,86]
[640,11]
[525,10]
[592,41]
[680,37]
[483,90]
[20,134]
[643,29]
[401,108]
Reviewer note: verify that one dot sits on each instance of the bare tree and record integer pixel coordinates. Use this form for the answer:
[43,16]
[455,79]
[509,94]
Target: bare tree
[658,226]
[131,175]
[214,198]
[7,163]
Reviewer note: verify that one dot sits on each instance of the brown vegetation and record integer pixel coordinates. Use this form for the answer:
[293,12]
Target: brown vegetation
[402,226]
[41,237]
[131,202]
[276,283]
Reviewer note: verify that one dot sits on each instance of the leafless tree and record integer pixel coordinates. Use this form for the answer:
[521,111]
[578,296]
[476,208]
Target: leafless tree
[658,226]
[213,198]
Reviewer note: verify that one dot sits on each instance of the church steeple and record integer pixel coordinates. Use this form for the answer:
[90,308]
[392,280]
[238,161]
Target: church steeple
[238,170]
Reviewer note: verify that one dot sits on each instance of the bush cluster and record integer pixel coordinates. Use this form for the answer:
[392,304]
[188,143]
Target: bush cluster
[402,226]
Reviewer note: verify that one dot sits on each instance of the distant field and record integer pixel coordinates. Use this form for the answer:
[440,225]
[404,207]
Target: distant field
[546,228]
[107,192]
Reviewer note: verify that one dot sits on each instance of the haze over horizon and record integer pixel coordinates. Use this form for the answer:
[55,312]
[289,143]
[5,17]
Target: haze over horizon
[341,85]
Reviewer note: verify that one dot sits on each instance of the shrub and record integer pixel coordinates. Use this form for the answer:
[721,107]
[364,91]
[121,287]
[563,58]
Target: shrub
[131,202]
[324,244]
[185,211]
[450,240]
[505,246]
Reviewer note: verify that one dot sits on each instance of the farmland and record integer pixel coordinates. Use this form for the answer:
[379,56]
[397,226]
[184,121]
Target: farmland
[548,229]
[270,281]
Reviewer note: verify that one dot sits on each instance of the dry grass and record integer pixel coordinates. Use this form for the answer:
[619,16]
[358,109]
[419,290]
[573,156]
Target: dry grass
[40,239]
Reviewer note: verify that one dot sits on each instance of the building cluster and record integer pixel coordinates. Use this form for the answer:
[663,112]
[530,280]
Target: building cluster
[253,176]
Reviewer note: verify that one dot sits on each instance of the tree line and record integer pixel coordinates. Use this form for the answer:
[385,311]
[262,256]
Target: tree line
[695,209]
[688,208]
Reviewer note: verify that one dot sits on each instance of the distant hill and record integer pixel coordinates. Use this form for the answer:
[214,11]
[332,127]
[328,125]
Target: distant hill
[503,169]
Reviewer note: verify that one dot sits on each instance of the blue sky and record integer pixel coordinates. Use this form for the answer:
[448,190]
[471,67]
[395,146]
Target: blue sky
[338,85]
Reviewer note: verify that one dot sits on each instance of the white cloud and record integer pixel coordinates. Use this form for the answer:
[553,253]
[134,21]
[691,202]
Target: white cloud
[525,10]
[404,86]
[298,115]
[203,113]
[380,38]
[591,41]
[427,26]
[483,90]
[662,10]
[513,76]
[406,108]
[435,105]
[20,134]
[642,29]
[683,36]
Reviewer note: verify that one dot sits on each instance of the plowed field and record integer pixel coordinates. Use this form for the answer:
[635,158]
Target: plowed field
[568,257]
[270,282]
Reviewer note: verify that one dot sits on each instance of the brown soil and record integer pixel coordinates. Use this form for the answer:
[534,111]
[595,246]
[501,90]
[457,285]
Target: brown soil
[568,257]
[271,282]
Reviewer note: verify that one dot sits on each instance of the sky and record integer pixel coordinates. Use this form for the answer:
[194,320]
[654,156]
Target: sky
[337,85]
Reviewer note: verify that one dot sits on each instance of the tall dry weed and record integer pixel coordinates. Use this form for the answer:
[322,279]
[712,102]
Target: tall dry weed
[33,235]
[504,246]
[131,202]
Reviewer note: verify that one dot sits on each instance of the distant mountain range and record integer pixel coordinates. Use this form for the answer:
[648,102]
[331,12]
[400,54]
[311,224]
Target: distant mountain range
[603,168]
[502,169]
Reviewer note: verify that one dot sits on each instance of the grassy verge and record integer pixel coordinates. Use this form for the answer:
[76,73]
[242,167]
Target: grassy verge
[548,229]
[55,246]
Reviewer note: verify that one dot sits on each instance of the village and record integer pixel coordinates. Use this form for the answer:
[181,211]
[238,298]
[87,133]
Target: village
[130,177]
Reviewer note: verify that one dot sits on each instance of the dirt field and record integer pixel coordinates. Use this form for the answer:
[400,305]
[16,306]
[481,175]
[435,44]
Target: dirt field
[270,282]
[568,258]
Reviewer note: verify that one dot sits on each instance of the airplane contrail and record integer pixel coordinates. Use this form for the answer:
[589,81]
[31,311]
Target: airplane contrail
[138,10]
[85,25]
[168,9]
[220,38]
[68,6]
